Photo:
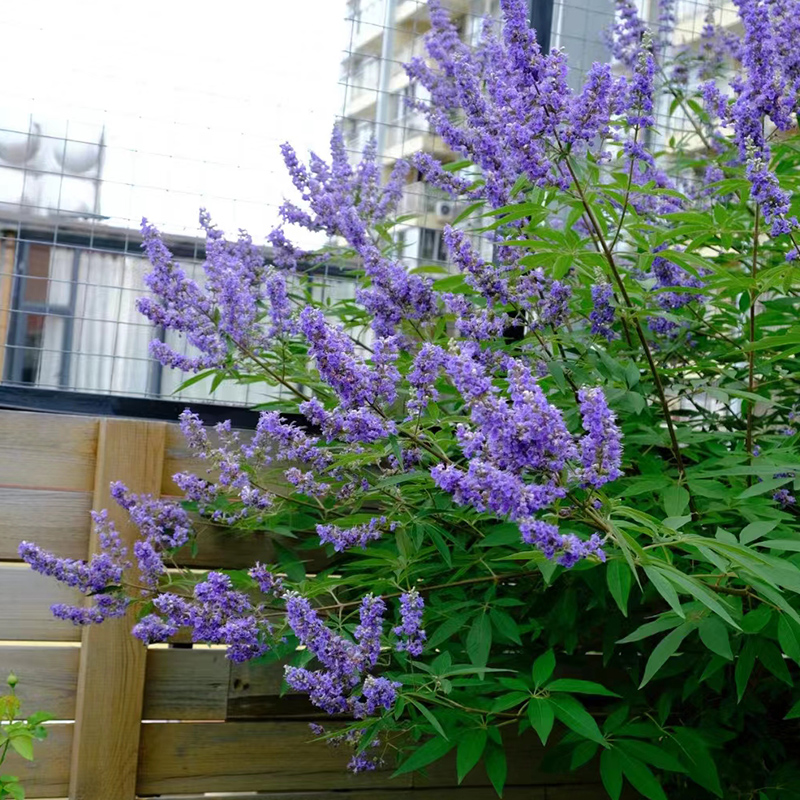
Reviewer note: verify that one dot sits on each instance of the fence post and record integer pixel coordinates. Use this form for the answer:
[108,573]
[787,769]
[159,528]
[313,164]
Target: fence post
[112,664]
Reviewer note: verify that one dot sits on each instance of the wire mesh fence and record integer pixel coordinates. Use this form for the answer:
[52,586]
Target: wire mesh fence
[70,195]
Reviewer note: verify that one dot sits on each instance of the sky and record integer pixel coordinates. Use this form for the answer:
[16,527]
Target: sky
[193,97]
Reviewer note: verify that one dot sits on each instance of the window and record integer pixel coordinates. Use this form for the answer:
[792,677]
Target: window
[354,13]
[431,245]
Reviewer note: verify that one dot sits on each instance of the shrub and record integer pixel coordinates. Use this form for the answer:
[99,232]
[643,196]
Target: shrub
[555,486]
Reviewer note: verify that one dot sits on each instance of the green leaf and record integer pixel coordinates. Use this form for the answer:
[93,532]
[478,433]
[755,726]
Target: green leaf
[479,640]
[429,715]
[16,790]
[651,754]
[755,530]
[698,591]
[698,761]
[543,668]
[714,635]
[504,624]
[744,666]
[794,711]
[768,485]
[664,649]
[22,742]
[541,716]
[665,589]
[611,773]
[39,717]
[640,776]
[581,687]
[663,623]
[755,620]
[470,750]
[676,500]
[496,767]
[431,751]
[572,713]
[770,656]
[792,545]
[789,637]
[449,627]
[618,577]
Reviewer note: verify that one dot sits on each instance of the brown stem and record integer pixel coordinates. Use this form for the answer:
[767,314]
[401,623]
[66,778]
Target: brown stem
[637,325]
[751,355]
[423,589]
[627,192]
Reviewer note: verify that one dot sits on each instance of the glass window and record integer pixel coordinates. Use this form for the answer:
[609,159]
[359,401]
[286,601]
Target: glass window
[431,245]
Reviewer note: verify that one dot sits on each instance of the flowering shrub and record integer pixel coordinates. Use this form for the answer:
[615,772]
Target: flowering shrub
[556,485]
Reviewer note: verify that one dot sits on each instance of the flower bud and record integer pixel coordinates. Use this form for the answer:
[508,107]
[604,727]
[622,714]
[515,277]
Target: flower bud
[11,680]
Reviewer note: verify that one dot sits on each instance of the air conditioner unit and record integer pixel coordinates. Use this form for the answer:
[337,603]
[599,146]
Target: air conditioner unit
[445,209]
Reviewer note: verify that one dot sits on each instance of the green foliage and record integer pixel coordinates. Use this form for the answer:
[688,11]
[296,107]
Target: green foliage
[17,736]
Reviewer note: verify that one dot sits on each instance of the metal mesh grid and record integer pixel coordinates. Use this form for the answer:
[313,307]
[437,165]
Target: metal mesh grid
[72,192]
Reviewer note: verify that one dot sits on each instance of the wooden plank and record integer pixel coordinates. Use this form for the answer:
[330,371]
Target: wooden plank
[112,668]
[48,774]
[219,547]
[178,458]
[47,451]
[57,521]
[48,677]
[25,600]
[524,755]
[186,684]
[591,791]
[254,693]
[245,756]
[456,793]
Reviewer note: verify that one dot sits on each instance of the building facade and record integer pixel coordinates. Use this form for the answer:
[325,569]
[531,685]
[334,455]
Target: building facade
[386,34]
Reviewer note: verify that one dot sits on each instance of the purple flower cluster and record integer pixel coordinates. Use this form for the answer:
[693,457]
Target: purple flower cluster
[357,536]
[566,549]
[514,101]
[360,762]
[767,90]
[345,201]
[355,425]
[355,383]
[517,447]
[274,441]
[602,315]
[216,614]
[669,275]
[229,309]
[784,498]
[601,447]
[163,526]
[410,628]
[99,578]
[334,687]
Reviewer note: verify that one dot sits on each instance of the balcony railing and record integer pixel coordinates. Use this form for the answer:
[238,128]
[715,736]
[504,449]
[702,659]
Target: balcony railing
[407,127]
[421,198]
[365,79]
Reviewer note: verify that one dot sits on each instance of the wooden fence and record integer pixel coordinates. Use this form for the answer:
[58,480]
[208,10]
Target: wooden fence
[164,721]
